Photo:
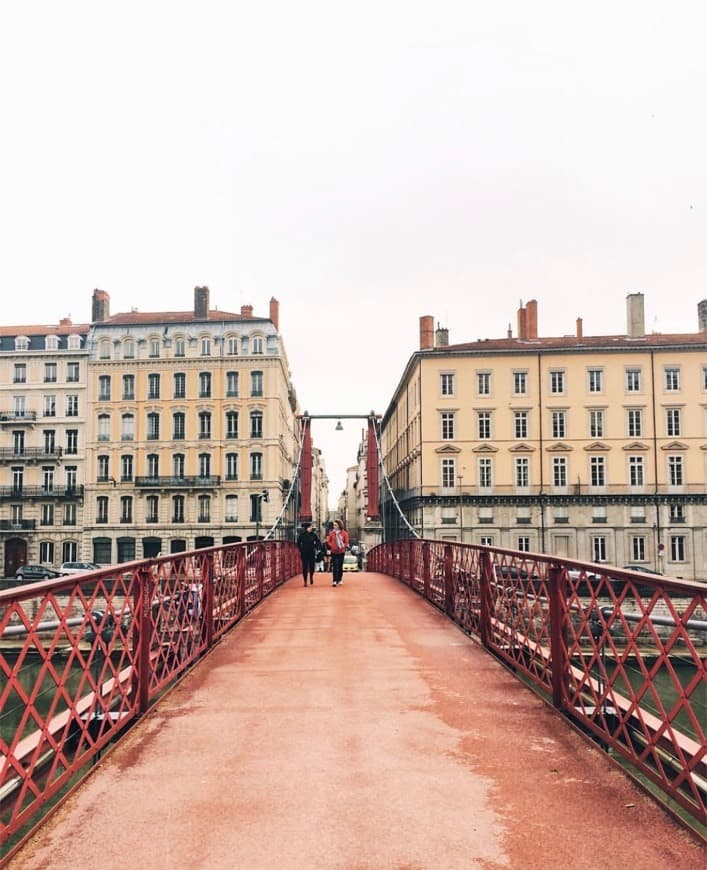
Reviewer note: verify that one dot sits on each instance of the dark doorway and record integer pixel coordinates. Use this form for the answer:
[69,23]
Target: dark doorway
[178,545]
[151,547]
[15,555]
[203,541]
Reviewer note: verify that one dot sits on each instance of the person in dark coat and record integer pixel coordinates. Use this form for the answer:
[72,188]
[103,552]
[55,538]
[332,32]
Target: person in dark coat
[308,543]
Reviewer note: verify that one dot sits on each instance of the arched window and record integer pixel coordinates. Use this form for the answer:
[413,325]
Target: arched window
[21,342]
[129,349]
[231,384]
[257,344]
[104,427]
[204,508]
[104,349]
[74,343]
[127,427]
[231,509]
[51,342]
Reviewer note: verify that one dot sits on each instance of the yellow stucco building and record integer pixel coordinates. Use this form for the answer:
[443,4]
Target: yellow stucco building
[593,447]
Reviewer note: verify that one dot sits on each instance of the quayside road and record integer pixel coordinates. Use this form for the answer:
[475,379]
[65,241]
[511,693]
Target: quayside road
[355,727]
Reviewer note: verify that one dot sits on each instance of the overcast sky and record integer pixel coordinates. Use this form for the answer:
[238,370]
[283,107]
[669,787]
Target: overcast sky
[365,163]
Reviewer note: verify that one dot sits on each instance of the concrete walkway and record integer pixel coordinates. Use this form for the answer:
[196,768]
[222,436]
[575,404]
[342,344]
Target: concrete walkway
[356,727]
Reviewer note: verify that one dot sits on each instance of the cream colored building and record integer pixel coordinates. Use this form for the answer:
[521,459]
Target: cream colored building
[593,447]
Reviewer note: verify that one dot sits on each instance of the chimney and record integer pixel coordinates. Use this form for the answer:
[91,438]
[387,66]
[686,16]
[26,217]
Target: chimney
[201,303]
[522,321]
[100,307]
[427,328]
[702,315]
[441,337]
[531,318]
[275,313]
[246,310]
[509,331]
[580,328]
[65,321]
[635,320]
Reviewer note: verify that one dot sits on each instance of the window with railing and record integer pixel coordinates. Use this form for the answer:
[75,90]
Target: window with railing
[153,386]
[153,426]
[180,385]
[231,466]
[178,509]
[256,466]
[102,509]
[232,424]
[103,429]
[72,406]
[127,427]
[204,509]
[128,387]
[104,388]
[50,373]
[256,424]
[204,385]
[204,424]
[231,384]
[20,376]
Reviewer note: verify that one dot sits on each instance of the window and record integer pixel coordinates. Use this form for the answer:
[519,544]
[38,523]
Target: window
[231,509]
[129,350]
[638,548]
[559,471]
[178,509]
[103,467]
[72,441]
[483,383]
[596,380]
[204,465]
[153,426]
[559,424]
[72,406]
[672,380]
[232,346]
[104,388]
[704,378]
[256,424]
[50,406]
[256,383]
[46,552]
[180,385]
[152,509]
[204,424]
[599,513]
[50,373]
[520,424]
[448,473]
[638,513]
[72,373]
[204,508]
[232,424]
[18,441]
[524,543]
[126,509]
[70,514]
[677,548]
[597,471]
[179,347]
[128,387]
[70,473]
[104,350]
[206,347]
[47,515]
[256,508]
[69,551]
[104,427]
[154,348]
[49,440]
[204,385]
[20,373]
[17,479]
[522,472]
[635,471]
[483,419]
[599,548]
[677,513]
[231,384]
[675,470]
[596,424]
[635,422]
[446,384]
[178,465]
[256,466]
[126,468]
[127,427]
[633,380]
[51,342]
[485,473]
[178,426]
[672,422]
[520,383]
[447,420]
[153,386]
[153,465]
[557,381]
[257,345]
[231,466]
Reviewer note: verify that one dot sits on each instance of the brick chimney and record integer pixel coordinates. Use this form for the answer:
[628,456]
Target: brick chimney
[100,307]
[427,328]
[246,310]
[522,321]
[702,315]
[531,315]
[275,313]
[635,319]
[201,303]
[65,321]
[580,328]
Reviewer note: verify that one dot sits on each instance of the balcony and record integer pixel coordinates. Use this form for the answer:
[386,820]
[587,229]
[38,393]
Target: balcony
[15,493]
[18,526]
[178,482]
[30,454]
[16,417]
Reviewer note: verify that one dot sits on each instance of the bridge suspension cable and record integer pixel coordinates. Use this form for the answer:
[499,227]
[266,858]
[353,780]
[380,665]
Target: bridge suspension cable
[390,488]
[293,483]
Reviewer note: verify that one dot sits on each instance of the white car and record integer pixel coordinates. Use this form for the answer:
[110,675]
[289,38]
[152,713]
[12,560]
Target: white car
[78,567]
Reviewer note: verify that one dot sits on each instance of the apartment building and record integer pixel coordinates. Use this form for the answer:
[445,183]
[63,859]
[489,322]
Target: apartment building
[144,432]
[592,447]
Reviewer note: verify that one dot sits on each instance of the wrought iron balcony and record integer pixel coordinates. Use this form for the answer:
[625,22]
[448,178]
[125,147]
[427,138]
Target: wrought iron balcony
[18,526]
[18,416]
[178,482]
[29,454]
[16,493]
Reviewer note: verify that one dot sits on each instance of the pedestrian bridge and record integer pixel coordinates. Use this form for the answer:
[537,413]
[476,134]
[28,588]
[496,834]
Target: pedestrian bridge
[266,724]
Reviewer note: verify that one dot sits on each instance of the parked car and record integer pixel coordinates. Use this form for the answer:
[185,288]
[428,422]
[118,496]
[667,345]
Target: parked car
[78,567]
[36,572]
[350,562]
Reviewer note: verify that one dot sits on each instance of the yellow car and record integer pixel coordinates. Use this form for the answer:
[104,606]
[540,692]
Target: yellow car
[350,562]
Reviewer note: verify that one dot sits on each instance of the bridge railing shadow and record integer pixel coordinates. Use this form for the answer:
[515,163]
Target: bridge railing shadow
[620,653]
[83,656]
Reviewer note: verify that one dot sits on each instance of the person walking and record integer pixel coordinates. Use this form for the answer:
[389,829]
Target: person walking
[308,543]
[337,541]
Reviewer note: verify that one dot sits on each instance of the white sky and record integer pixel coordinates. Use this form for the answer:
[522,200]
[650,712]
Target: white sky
[366,163]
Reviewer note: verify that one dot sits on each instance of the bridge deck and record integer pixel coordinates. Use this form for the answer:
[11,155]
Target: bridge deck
[355,727]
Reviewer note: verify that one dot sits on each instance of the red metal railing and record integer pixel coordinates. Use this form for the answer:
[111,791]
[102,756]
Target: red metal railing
[82,656]
[620,653]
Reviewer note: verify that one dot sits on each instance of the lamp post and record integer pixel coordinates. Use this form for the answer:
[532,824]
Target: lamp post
[260,498]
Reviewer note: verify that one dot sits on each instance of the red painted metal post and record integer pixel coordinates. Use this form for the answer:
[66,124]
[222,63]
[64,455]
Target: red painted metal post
[426,569]
[448,581]
[558,635]
[207,579]
[305,508]
[485,609]
[372,511]
[259,569]
[145,633]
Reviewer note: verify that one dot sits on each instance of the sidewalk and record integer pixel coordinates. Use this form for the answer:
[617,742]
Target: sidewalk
[356,727]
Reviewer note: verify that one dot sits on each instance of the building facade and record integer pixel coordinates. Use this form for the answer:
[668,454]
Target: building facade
[165,431]
[591,447]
